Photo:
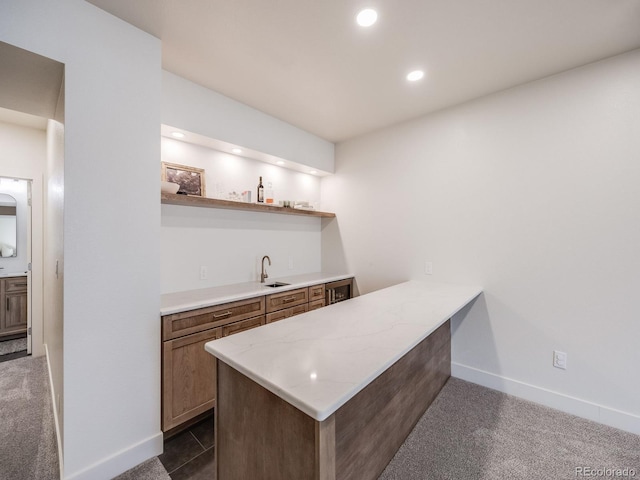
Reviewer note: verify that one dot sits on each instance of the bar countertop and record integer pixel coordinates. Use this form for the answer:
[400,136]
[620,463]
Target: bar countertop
[177,302]
[319,360]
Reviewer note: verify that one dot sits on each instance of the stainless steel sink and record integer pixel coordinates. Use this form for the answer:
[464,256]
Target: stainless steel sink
[277,284]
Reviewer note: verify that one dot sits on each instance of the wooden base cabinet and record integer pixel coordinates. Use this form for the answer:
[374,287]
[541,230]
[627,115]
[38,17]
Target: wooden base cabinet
[188,371]
[13,306]
[287,304]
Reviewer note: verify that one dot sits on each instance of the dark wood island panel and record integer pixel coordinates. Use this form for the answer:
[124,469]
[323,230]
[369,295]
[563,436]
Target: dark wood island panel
[260,435]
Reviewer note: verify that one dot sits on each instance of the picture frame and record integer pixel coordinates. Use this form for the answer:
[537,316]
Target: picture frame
[190,179]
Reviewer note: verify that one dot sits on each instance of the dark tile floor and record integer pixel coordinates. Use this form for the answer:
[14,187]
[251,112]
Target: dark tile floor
[189,454]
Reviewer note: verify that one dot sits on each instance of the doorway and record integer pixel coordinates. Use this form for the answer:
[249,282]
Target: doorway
[32,145]
[15,268]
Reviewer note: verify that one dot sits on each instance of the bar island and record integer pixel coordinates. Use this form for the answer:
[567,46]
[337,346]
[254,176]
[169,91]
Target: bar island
[333,393]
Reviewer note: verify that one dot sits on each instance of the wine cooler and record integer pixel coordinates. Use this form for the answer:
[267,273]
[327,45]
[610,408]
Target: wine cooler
[338,291]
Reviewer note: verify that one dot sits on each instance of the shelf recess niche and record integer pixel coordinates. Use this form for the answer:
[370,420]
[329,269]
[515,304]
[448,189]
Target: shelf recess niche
[192,201]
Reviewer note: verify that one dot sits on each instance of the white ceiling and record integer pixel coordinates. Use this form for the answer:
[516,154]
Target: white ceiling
[23,119]
[306,61]
[29,83]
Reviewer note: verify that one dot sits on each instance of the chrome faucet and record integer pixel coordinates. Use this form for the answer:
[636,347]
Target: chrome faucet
[264,275]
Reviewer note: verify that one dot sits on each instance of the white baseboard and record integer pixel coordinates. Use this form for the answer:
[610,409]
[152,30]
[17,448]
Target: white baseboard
[55,413]
[575,406]
[110,466]
[121,461]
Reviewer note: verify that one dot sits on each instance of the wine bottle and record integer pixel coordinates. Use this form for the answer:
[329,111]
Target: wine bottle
[260,191]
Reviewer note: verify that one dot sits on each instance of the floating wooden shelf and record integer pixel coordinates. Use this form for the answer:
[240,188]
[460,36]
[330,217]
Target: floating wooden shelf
[191,201]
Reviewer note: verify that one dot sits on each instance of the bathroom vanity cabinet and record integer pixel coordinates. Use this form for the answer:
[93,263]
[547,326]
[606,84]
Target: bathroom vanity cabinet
[13,311]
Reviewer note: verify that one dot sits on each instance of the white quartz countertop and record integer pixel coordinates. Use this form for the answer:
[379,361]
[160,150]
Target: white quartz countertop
[206,297]
[319,360]
[11,275]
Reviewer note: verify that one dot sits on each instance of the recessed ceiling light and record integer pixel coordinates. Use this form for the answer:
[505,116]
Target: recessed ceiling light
[280,162]
[415,75]
[367,17]
[178,134]
[237,151]
[313,172]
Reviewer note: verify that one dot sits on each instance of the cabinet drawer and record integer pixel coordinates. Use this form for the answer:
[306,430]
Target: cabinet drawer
[316,292]
[287,312]
[278,301]
[185,323]
[316,304]
[243,325]
[15,284]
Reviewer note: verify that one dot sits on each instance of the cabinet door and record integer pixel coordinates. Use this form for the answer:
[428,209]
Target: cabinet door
[15,315]
[188,378]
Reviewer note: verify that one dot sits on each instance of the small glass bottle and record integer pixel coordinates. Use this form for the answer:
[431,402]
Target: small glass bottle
[268,193]
[260,191]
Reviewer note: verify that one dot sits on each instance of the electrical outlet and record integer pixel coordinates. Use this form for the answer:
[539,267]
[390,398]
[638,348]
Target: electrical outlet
[560,359]
[290,262]
[428,268]
[203,273]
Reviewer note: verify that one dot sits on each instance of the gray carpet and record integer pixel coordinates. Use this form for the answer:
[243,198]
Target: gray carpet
[13,346]
[28,449]
[471,432]
[150,470]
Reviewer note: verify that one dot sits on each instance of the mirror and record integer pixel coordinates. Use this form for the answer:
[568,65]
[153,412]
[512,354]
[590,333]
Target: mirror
[8,226]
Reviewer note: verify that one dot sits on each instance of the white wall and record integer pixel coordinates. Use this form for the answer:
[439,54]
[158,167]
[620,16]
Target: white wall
[111,229]
[199,110]
[533,194]
[231,243]
[53,291]
[225,173]
[23,155]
